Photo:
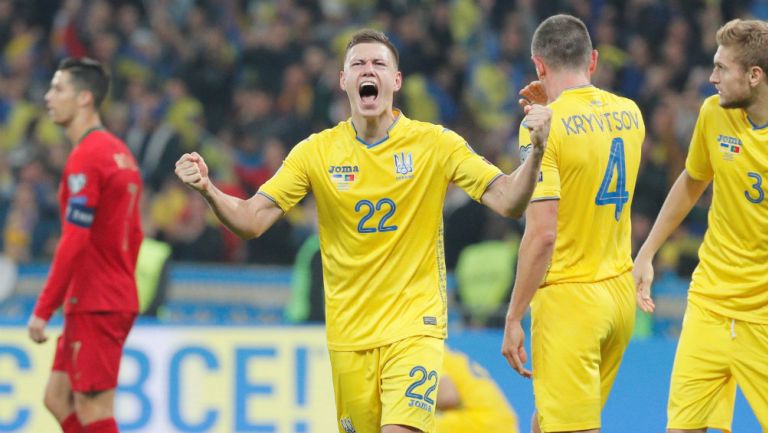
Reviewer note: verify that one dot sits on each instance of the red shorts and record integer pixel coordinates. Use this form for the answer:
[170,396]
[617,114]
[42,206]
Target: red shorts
[90,348]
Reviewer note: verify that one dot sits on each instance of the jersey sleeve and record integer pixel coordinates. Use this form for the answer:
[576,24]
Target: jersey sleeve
[83,179]
[698,163]
[291,182]
[84,185]
[548,183]
[470,171]
[74,240]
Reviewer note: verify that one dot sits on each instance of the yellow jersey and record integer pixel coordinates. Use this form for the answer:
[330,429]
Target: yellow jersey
[590,165]
[379,209]
[483,407]
[732,276]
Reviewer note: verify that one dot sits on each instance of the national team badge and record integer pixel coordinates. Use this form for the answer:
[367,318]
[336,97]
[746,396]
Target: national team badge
[403,166]
[76,182]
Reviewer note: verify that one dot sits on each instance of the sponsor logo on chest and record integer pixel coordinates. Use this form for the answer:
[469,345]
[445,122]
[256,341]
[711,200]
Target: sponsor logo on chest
[730,147]
[343,176]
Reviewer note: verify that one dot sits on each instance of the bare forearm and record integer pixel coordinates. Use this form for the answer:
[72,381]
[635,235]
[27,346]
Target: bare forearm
[681,198]
[534,257]
[238,215]
[509,196]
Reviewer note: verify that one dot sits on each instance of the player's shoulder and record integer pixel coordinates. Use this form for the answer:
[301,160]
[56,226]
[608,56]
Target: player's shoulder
[711,105]
[332,134]
[623,101]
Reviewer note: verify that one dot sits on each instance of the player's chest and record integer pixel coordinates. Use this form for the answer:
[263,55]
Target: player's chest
[740,162]
[734,151]
[353,169]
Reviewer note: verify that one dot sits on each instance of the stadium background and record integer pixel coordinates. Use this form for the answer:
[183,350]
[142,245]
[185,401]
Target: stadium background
[242,81]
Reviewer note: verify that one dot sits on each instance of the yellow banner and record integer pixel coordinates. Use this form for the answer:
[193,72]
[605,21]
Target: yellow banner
[189,379]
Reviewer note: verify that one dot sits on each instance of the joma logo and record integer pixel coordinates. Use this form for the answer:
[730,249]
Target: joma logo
[343,169]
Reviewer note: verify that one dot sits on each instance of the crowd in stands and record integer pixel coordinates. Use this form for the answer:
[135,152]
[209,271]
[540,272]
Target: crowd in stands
[242,81]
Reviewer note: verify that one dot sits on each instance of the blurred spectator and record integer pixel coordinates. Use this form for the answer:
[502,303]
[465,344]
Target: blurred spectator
[242,81]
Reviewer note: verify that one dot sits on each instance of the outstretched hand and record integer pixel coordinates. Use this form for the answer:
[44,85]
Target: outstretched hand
[643,273]
[193,171]
[513,349]
[533,93]
[538,119]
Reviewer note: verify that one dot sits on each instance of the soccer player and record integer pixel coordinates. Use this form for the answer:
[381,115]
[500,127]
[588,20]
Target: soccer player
[575,263]
[724,339]
[92,273]
[469,401]
[380,180]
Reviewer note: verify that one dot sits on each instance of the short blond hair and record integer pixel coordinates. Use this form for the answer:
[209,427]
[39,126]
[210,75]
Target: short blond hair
[749,41]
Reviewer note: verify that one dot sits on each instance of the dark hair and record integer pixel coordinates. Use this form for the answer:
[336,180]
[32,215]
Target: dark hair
[749,38]
[562,41]
[87,74]
[365,36]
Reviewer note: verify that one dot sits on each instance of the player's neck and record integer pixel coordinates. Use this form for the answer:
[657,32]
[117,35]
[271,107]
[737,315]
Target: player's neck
[758,110]
[561,81]
[81,125]
[373,129]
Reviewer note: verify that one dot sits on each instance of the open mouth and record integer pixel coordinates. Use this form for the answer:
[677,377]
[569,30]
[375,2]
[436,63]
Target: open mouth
[368,92]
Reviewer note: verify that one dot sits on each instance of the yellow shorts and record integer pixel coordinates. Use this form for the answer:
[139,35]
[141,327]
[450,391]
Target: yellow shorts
[579,333]
[714,354]
[392,384]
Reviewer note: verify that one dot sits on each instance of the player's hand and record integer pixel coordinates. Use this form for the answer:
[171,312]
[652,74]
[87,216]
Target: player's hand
[36,328]
[533,93]
[193,171]
[513,349]
[538,119]
[643,273]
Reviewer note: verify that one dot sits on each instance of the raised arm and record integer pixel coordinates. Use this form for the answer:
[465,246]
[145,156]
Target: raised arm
[679,202]
[246,218]
[510,194]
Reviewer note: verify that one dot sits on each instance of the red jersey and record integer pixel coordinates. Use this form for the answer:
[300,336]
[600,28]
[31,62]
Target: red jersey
[95,261]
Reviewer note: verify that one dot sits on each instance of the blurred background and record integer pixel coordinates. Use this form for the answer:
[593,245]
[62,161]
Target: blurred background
[241,82]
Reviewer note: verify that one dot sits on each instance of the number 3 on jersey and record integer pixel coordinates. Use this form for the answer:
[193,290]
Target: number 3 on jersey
[620,195]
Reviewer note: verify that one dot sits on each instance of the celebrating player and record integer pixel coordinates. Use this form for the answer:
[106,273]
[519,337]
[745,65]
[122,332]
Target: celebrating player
[575,263]
[380,180]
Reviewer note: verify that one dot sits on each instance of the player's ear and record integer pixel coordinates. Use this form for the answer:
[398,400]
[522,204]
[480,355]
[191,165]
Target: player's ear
[398,80]
[541,68]
[85,97]
[341,81]
[756,75]
[593,62]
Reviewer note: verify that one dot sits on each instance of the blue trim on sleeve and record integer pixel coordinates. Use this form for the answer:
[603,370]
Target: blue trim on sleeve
[533,200]
[272,199]
[489,185]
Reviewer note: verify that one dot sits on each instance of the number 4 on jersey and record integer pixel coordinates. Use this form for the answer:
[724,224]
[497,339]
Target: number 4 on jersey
[620,195]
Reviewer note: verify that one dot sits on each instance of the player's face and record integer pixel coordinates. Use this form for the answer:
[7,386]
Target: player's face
[61,99]
[731,80]
[370,79]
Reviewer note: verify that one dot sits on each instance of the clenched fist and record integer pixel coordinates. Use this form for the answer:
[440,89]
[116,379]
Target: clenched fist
[193,171]
[538,119]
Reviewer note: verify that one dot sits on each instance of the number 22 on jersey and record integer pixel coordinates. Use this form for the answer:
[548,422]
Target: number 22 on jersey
[616,166]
